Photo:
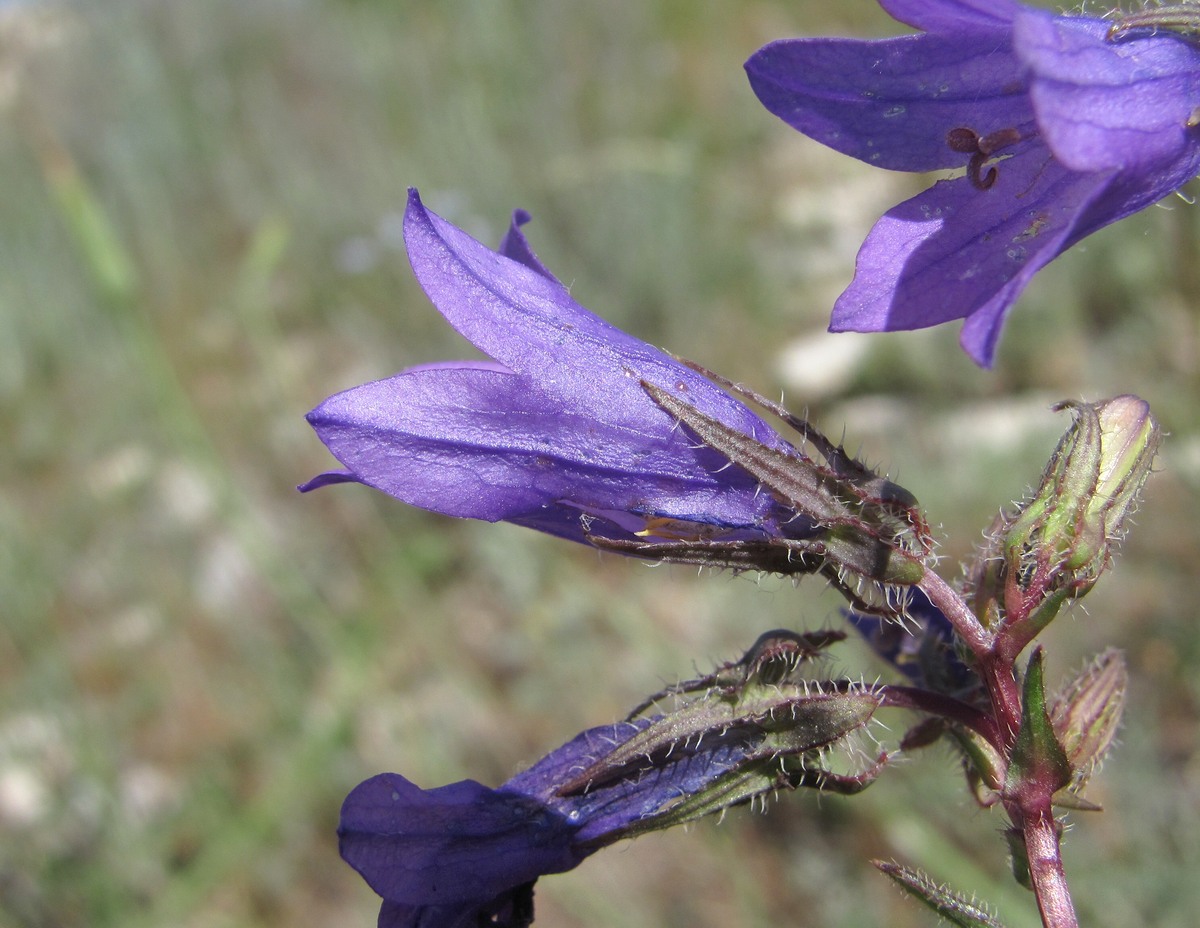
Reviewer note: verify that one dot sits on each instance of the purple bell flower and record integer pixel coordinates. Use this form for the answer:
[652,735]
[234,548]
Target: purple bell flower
[1063,124]
[557,431]
[464,855]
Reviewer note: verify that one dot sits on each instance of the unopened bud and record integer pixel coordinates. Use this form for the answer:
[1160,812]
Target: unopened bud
[1062,540]
[1087,714]
[922,646]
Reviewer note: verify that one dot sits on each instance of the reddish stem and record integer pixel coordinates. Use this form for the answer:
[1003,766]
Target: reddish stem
[1005,696]
[997,672]
[1046,867]
[942,706]
[957,613]
[995,656]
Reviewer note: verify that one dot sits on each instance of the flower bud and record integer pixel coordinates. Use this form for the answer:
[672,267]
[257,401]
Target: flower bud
[921,645]
[1087,714]
[1060,542]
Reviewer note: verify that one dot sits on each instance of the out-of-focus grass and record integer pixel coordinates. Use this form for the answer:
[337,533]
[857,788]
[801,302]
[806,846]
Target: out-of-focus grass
[200,242]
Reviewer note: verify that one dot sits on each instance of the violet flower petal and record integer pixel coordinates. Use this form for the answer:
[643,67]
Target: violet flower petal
[604,812]
[922,647]
[514,245]
[951,15]
[328,479]
[482,442]
[505,911]
[891,102]
[530,324]
[1111,105]
[464,855]
[950,253]
[1080,131]
[462,843]
[446,857]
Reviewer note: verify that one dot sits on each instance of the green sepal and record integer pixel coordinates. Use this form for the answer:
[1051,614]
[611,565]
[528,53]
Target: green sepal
[1181,18]
[863,525]
[1038,759]
[983,761]
[792,739]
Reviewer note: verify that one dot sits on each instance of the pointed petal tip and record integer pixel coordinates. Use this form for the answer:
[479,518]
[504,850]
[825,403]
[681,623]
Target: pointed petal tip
[517,247]
[327,479]
[980,333]
[415,206]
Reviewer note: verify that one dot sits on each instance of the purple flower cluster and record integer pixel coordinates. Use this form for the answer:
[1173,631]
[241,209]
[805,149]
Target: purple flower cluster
[1060,125]
[1063,124]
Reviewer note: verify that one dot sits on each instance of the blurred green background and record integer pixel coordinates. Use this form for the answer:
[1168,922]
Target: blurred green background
[201,204]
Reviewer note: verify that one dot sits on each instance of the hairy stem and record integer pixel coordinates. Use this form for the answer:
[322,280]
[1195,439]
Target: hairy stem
[942,706]
[957,613]
[1046,867]
[997,672]
[1005,695]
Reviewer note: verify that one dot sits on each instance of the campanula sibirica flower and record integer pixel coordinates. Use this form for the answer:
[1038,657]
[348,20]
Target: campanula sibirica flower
[465,855]
[1060,126]
[556,431]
